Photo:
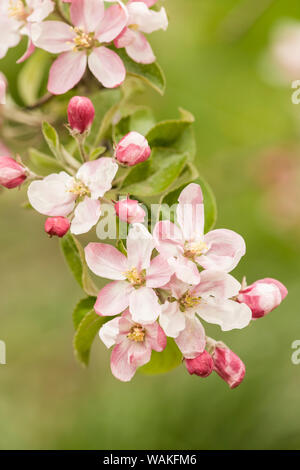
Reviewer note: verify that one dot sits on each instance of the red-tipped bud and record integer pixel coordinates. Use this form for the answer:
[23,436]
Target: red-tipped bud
[263,296]
[229,366]
[57,226]
[81,113]
[202,365]
[12,174]
[129,210]
[132,149]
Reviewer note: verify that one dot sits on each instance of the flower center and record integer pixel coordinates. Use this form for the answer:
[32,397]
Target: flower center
[16,9]
[188,301]
[134,27]
[80,189]
[137,334]
[195,249]
[137,279]
[84,41]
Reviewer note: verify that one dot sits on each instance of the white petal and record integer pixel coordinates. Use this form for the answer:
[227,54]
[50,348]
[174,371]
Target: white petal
[147,20]
[144,306]
[228,314]
[140,245]
[98,176]
[86,215]
[171,319]
[109,332]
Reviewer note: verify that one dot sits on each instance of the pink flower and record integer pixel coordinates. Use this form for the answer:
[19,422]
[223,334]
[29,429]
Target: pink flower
[133,344]
[81,113]
[141,20]
[228,366]
[132,149]
[135,276]
[211,300]
[82,45]
[12,174]
[130,211]
[202,365]
[3,85]
[16,19]
[56,194]
[187,246]
[284,50]
[263,296]
[57,226]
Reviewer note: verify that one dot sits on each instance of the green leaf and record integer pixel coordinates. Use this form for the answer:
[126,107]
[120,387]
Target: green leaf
[156,174]
[31,76]
[105,103]
[85,335]
[152,74]
[210,206]
[121,247]
[74,255]
[162,362]
[52,139]
[97,152]
[44,163]
[135,118]
[83,307]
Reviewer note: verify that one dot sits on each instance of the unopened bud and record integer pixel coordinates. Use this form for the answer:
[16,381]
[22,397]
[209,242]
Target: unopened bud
[202,365]
[132,149]
[81,113]
[12,174]
[130,211]
[57,226]
[229,366]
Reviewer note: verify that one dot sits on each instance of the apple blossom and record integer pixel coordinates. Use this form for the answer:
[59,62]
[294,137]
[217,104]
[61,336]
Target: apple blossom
[228,366]
[186,246]
[132,149]
[133,344]
[141,20]
[57,226]
[284,49]
[130,211]
[263,296]
[12,174]
[201,365]
[82,45]
[134,277]
[81,113]
[57,194]
[3,85]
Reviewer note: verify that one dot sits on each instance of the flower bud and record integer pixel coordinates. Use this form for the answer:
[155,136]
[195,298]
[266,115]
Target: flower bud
[58,226]
[263,296]
[81,113]
[202,365]
[3,85]
[132,149]
[129,210]
[229,366]
[12,174]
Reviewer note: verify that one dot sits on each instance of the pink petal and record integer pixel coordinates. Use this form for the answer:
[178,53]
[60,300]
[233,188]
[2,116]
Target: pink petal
[143,305]
[176,287]
[87,15]
[139,49]
[216,284]
[106,261]
[159,272]
[109,332]
[113,298]
[140,245]
[41,9]
[66,72]
[86,215]
[98,175]
[114,21]
[121,368]
[53,36]
[185,270]
[155,337]
[172,319]
[225,249]
[190,212]
[229,314]
[29,51]
[107,67]
[191,341]
[168,239]
[126,37]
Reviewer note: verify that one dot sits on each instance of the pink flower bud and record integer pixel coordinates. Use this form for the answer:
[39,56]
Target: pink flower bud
[58,226]
[263,296]
[202,365]
[229,366]
[81,113]
[129,210]
[12,174]
[132,149]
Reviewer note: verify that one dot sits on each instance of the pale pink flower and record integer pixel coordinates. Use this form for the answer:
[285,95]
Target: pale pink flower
[82,45]
[16,19]
[186,246]
[12,174]
[133,344]
[132,149]
[263,296]
[149,3]
[201,365]
[57,226]
[134,277]
[284,50]
[211,300]
[141,20]
[228,366]
[130,211]
[56,194]
[3,86]
[81,113]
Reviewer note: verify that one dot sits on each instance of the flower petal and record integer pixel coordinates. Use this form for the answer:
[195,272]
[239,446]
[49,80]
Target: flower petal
[29,51]
[191,341]
[156,337]
[147,20]
[98,175]
[120,366]
[53,36]
[168,239]
[190,212]
[143,305]
[86,215]
[139,49]
[41,9]
[109,332]
[106,261]
[216,284]
[229,314]
[225,249]
[185,269]
[172,319]
[107,67]
[113,298]
[159,272]
[140,245]
[87,15]
[114,21]
[66,72]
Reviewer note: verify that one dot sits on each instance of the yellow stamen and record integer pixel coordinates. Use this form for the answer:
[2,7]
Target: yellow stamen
[16,9]
[84,40]
[134,277]
[188,301]
[80,189]
[195,249]
[137,334]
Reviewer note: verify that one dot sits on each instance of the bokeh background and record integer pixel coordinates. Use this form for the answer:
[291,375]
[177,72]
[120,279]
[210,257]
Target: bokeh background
[248,135]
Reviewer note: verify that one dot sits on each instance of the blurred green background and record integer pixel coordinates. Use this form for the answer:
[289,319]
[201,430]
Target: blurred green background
[248,148]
